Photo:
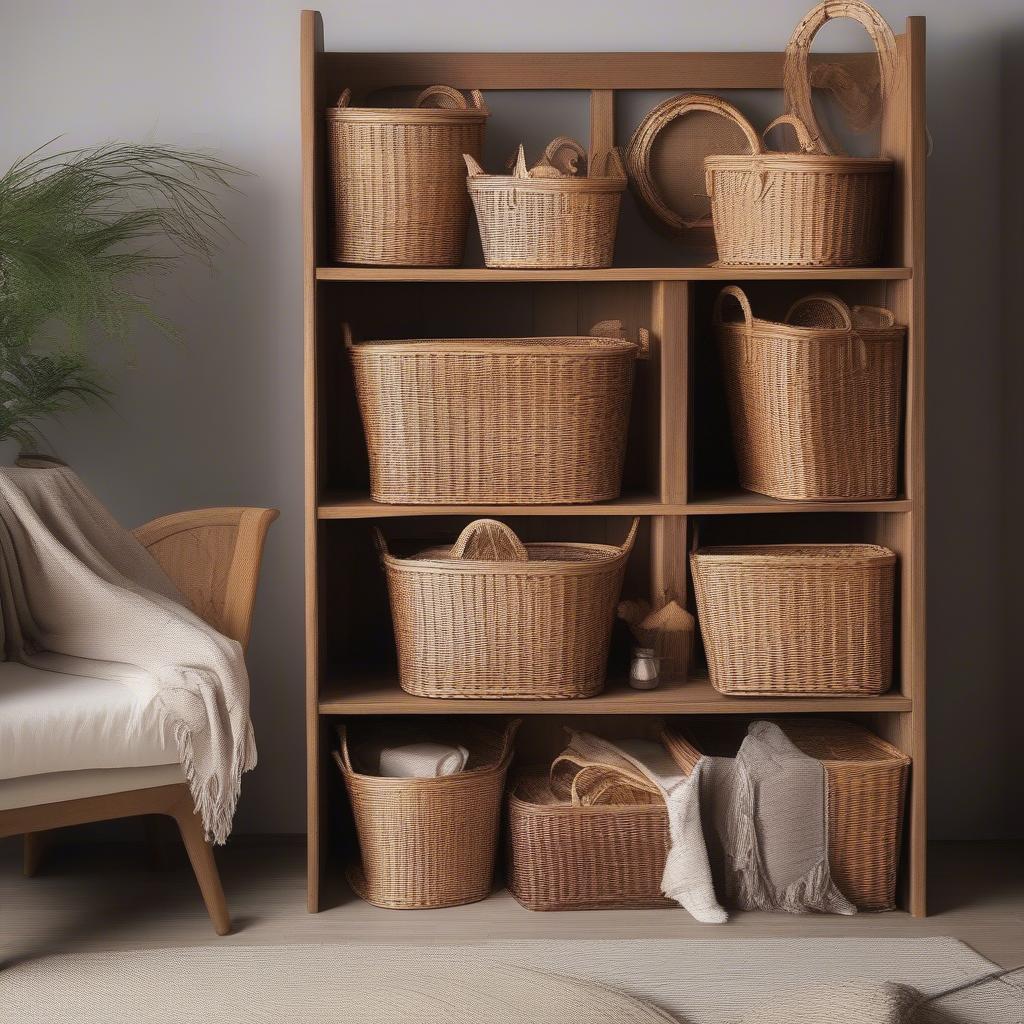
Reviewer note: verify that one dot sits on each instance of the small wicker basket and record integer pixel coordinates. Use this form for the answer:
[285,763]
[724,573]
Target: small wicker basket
[867,779]
[547,222]
[428,843]
[796,619]
[397,180]
[499,619]
[815,403]
[497,420]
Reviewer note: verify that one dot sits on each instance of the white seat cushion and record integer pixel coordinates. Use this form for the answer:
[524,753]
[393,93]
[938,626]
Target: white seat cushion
[52,722]
[33,790]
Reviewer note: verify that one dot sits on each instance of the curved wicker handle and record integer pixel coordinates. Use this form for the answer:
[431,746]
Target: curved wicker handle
[341,755]
[511,728]
[822,298]
[566,155]
[487,540]
[346,334]
[445,97]
[627,544]
[796,72]
[380,542]
[345,98]
[473,169]
[614,329]
[731,291]
[885,316]
[804,139]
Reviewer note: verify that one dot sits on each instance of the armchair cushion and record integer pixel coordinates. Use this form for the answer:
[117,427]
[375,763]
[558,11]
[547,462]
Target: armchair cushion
[52,722]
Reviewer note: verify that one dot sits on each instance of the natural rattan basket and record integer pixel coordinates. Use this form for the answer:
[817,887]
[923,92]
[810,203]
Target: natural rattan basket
[427,843]
[798,619]
[551,222]
[566,856]
[502,619]
[397,178]
[814,403]
[867,780]
[496,420]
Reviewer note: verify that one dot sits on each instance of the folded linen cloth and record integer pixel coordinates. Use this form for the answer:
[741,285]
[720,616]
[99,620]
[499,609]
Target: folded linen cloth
[79,594]
[412,760]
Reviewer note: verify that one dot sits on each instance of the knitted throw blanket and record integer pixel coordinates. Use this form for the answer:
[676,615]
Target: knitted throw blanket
[79,594]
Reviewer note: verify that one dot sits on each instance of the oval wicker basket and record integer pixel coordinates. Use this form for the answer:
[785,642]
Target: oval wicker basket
[815,403]
[428,843]
[536,628]
[867,780]
[496,420]
[397,180]
[796,619]
[547,222]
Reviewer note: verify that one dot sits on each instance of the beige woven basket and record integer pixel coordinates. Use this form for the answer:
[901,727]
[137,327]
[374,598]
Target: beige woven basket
[497,420]
[867,780]
[397,180]
[428,843]
[547,222]
[505,620]
[815,403]
[796,619]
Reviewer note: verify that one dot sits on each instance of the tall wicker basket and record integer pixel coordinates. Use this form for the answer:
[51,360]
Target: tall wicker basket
[867,780]
[491,617]
[815,402]
[397,179]
[796,619]
[497,420]
[428,843]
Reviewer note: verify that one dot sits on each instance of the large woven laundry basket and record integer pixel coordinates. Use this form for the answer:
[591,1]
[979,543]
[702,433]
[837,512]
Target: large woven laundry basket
[815,403]
[796,619]
[867,779]
[428,843]
[492,617]
[497,420]
[397,180]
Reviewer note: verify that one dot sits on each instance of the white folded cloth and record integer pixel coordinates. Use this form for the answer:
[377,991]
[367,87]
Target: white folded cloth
[413,760]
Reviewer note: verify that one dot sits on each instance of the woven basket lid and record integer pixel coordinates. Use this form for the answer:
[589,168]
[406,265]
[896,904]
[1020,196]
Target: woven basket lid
[435,105]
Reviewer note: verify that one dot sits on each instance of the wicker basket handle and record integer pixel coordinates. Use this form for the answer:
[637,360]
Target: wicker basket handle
[614,329]
[380,542]
[627,544]
[346,335]
[444,97]
[341,755]
[487,540]
[886,317]
[511,728]
[822,298]
[473,169]
[804,139]
[345,98]
[796,72]
[731,291]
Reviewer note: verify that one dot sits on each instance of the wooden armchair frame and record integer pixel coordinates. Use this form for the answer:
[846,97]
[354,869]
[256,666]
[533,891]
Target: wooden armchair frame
[213,556]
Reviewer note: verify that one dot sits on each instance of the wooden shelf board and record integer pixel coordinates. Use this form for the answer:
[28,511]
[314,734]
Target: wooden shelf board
[613,274]
[378,693]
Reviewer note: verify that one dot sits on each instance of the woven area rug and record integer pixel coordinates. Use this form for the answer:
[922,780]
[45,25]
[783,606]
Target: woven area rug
[565,982]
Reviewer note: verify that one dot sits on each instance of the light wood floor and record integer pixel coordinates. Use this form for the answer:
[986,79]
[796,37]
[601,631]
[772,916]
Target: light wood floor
[105,896]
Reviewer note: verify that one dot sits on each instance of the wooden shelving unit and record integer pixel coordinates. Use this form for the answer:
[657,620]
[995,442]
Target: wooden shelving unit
[678,457]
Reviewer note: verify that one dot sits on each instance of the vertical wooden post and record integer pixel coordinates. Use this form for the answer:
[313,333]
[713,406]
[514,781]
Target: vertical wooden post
[602,128]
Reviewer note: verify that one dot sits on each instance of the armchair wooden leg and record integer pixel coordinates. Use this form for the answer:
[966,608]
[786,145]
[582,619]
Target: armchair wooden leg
[200,853]
[32,852]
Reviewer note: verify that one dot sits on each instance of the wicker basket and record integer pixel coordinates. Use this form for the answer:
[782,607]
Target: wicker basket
[549,222]
[504,620]
[496,420]
[397,179]
[428,843]
[867,780]
[814,403]
[803,620]
[566,856]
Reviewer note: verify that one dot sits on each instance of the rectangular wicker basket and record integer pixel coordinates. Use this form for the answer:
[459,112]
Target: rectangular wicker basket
[496,420]
[491,617]
[796,619]
[867,779]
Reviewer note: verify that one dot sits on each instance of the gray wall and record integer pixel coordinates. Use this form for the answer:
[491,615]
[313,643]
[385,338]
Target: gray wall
[219,419]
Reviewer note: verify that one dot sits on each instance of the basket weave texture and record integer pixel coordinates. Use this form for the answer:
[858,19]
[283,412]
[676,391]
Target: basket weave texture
[566,856]
[815,403]
[537,629]
[867,780]
[496,420]
[428,843]
[397,180]
[547,222]
[801,620]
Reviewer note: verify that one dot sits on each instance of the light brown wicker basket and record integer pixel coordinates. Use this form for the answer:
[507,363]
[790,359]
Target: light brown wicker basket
[814,403]
[563,855]
[496,420]
[537,222]
[427,843]
[867,779]
[397,180]
[799,619]
[535,626]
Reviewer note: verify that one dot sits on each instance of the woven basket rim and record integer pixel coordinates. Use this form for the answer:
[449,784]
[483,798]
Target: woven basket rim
[407,115]
[576,345]
[430,560]
[798,554]
[796,332]
[809,162]
[892,754]
[563,807]
[508,183]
